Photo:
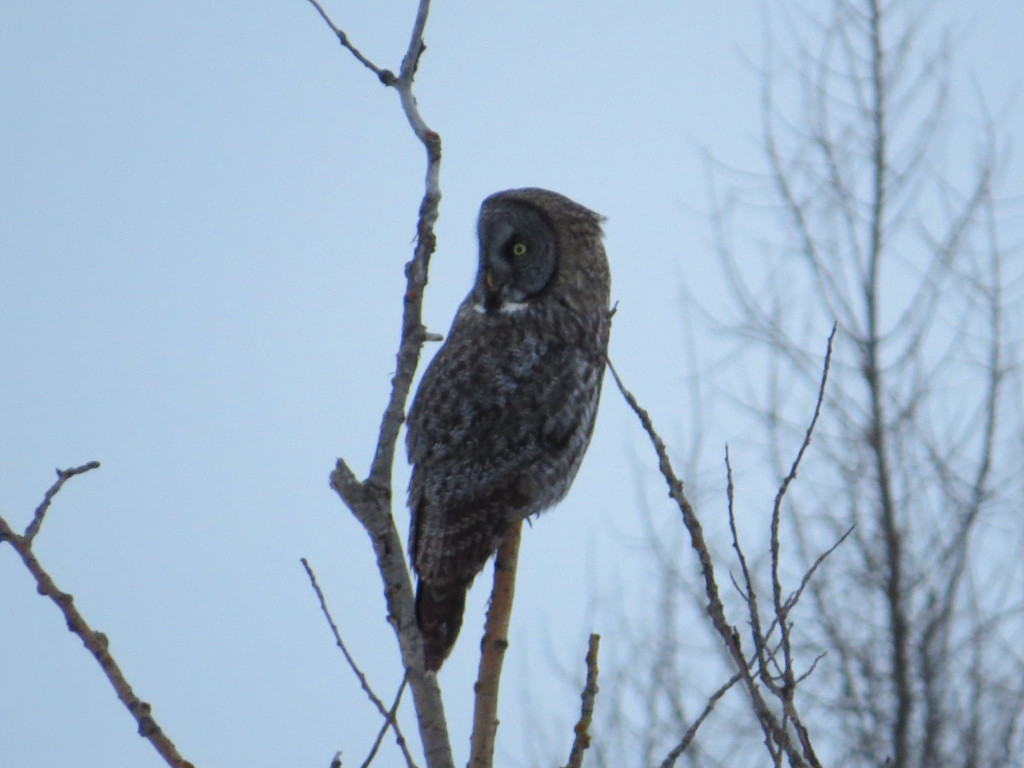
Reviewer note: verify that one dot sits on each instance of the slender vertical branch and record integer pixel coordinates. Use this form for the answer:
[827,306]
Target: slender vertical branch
[492,651]
[581,740]
[370,500]
[872,371]
[782,607]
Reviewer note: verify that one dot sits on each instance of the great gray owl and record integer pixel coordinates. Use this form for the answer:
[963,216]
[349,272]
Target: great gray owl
[506,408]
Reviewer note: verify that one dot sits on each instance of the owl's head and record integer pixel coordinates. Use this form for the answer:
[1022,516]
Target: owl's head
[536,244]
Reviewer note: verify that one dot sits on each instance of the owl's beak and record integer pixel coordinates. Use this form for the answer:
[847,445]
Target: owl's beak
[489,294]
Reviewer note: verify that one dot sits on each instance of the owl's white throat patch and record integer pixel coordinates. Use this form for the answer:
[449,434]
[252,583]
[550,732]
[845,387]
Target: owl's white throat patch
[505,308]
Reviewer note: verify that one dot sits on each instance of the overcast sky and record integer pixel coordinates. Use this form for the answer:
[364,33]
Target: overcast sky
[205,209]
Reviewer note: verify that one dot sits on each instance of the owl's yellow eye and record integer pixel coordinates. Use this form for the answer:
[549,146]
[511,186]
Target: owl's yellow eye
[519,249]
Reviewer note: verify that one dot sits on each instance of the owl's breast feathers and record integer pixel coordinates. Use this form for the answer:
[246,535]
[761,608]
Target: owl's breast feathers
[498,430]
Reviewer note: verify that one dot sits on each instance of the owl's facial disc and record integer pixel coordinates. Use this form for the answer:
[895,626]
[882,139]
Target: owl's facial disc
[517,257]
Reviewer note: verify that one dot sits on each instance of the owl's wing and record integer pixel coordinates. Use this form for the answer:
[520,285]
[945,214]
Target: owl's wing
[495,434]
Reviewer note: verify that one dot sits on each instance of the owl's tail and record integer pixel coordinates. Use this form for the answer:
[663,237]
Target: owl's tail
[439,610]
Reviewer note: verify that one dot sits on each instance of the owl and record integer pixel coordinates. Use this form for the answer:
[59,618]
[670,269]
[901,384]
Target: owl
[505,410]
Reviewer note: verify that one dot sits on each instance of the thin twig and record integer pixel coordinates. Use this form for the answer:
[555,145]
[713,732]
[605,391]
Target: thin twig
[588,697]
[388,714]
[749,592]
[492,651]
[794,598]
[389,721]
[691,732]
[63,475]
[781,610]
[804,445]
[386,76]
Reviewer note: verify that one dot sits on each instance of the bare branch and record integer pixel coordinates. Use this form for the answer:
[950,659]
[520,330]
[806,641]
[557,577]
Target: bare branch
[691,732]
[777,737]
[94,641]
[749,592]
[581,740]
[388,714]
[781,609]
[388,722]
[386,76]
[370,500]
[63,475]
[492,651]
[794,598]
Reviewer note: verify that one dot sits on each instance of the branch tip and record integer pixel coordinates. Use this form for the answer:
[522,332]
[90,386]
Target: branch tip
[588,698]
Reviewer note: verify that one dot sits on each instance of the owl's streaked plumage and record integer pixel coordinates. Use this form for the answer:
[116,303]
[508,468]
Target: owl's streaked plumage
[506,408]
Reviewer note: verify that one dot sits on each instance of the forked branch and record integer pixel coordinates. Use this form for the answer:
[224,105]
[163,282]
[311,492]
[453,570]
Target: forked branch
[370,499]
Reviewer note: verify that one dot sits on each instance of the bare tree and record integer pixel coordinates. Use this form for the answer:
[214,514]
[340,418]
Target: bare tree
[921,652]
[918,451]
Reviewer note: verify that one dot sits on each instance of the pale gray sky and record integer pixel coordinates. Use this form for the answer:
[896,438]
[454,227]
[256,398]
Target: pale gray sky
[204,213]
